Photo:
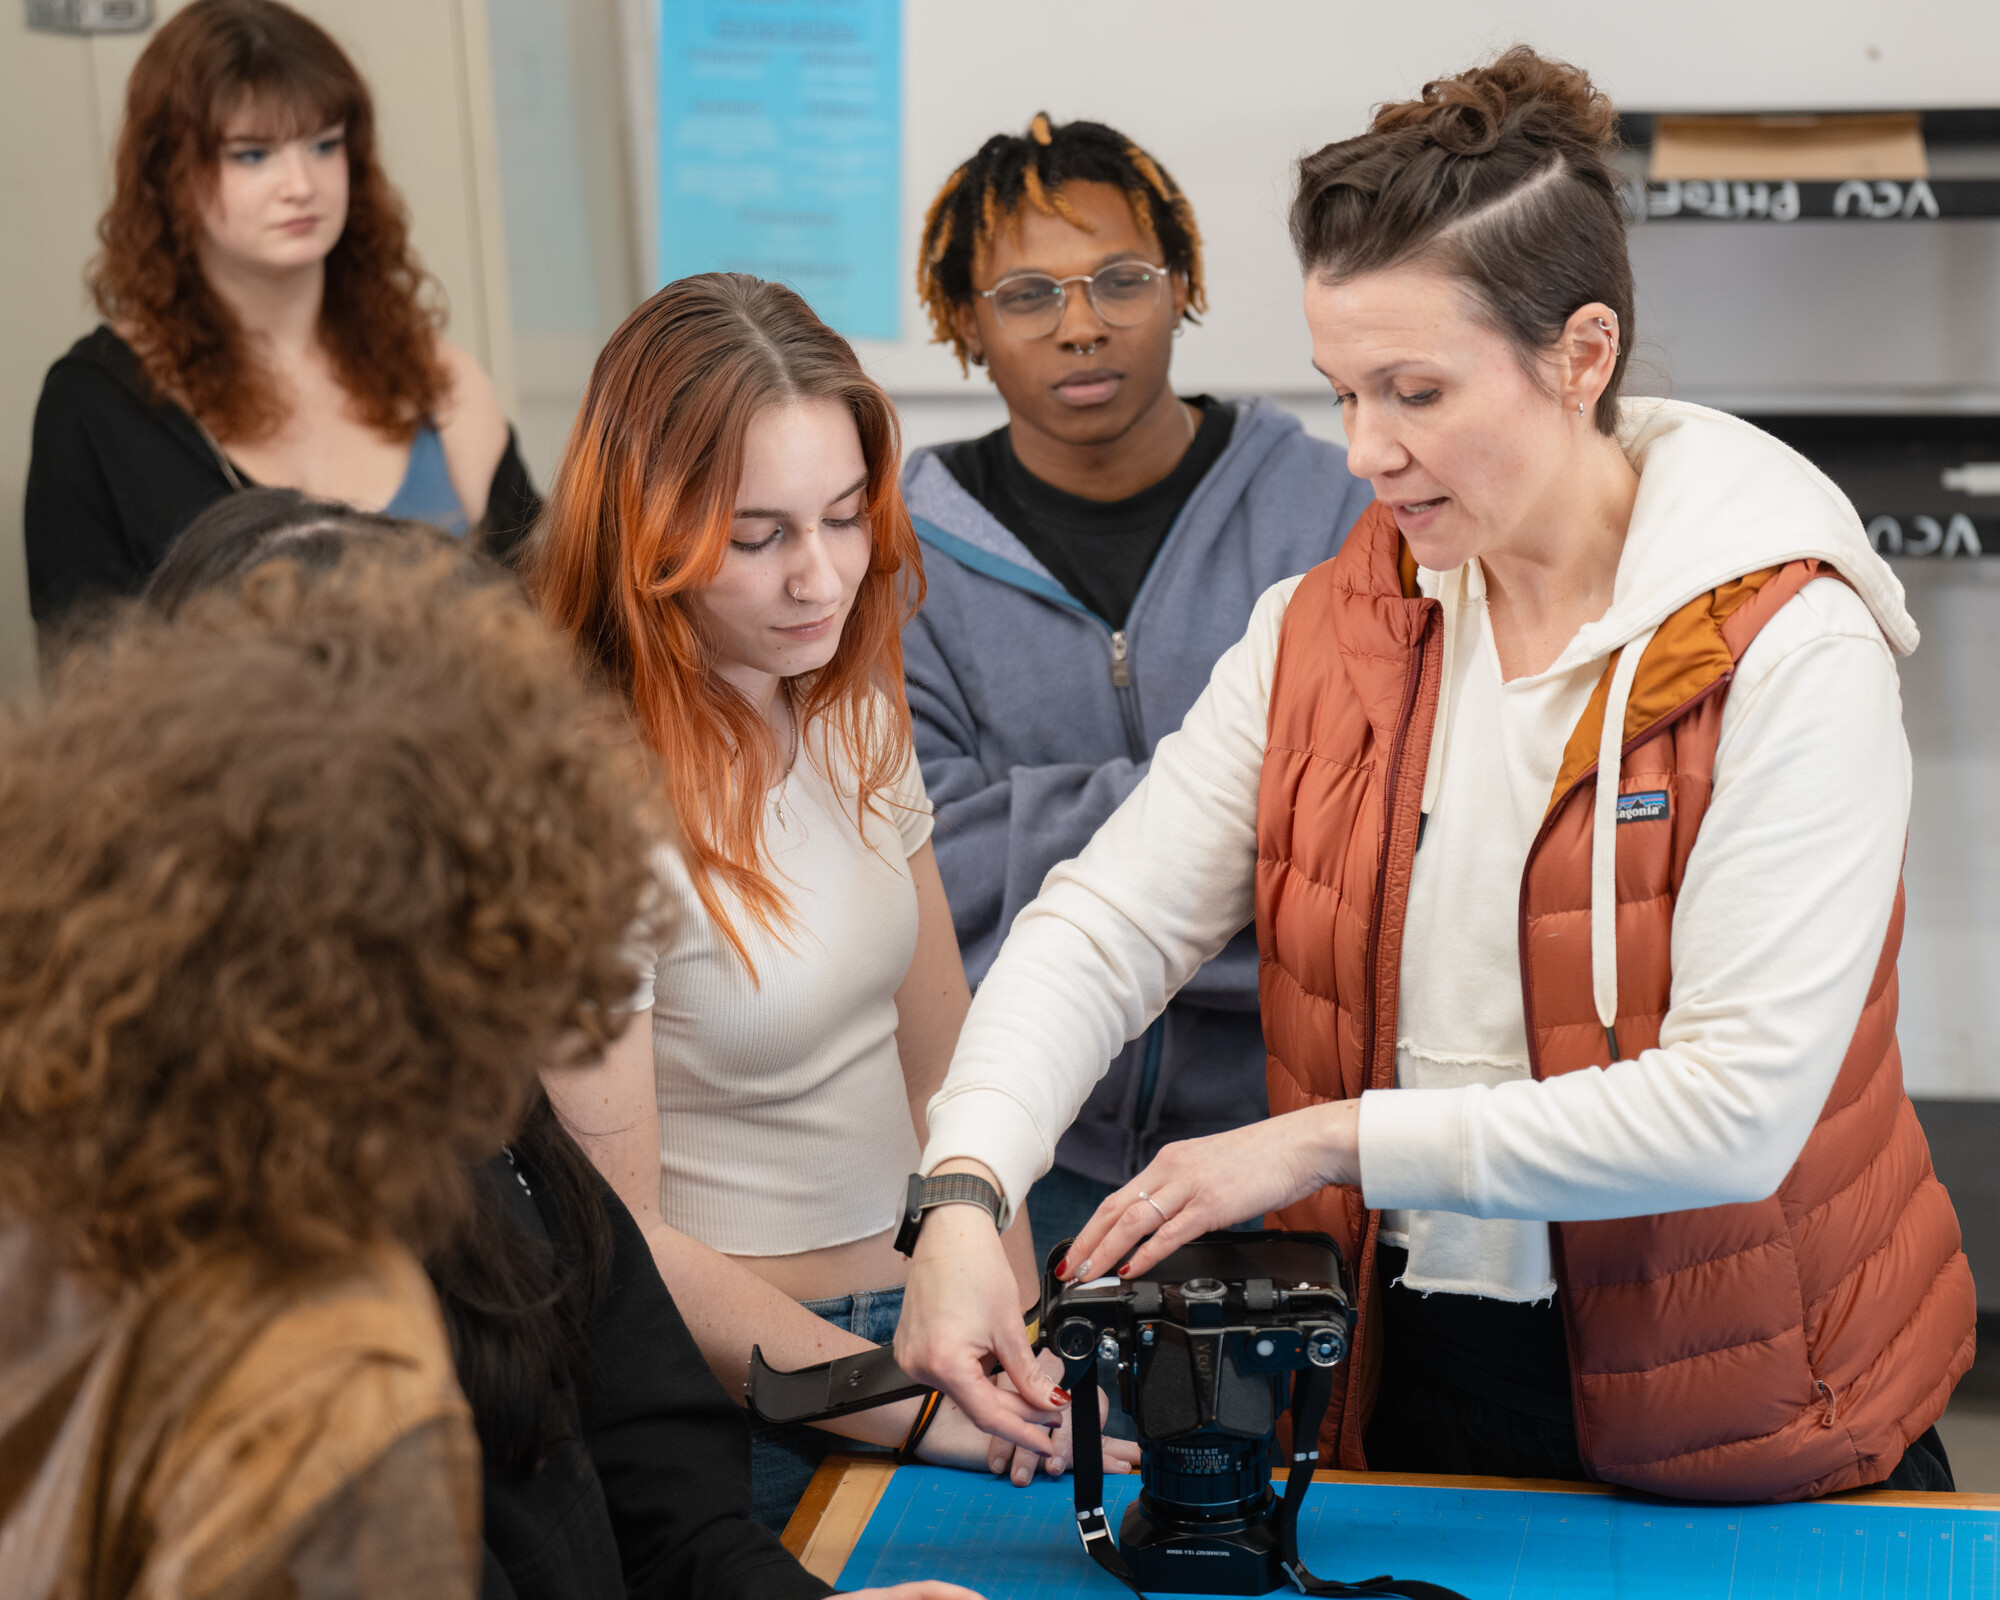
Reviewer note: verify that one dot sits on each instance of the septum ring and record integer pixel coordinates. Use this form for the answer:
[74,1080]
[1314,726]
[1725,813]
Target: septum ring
[1155,1205]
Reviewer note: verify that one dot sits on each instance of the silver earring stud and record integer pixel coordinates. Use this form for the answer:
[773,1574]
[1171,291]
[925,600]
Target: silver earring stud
[1579,412]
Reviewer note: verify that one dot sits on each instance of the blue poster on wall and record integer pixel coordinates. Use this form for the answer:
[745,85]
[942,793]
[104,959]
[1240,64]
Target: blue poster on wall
[781,133]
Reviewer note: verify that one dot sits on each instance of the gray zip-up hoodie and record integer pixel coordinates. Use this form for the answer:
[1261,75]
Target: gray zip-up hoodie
[1034,719]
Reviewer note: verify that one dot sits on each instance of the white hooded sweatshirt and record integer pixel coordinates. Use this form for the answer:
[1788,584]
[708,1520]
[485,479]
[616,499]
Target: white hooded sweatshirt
[1776,931]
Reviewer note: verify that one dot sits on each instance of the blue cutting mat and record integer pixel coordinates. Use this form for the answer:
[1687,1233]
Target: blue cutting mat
[1489,1544]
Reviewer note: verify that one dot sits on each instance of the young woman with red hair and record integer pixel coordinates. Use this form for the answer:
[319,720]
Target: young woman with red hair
[266,321]
[727,546]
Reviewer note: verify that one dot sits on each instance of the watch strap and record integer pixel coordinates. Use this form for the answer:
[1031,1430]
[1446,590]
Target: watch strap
[945,1189]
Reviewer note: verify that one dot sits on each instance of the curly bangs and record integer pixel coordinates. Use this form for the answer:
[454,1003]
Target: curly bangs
[303,887]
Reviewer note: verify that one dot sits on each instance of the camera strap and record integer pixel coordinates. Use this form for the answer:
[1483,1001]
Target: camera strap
[1311,1390]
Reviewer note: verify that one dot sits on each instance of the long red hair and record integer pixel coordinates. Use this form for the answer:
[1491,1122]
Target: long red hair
[639,517]
[379,320]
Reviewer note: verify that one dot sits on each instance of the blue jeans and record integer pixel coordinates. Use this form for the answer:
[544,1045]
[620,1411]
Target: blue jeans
[784,1456]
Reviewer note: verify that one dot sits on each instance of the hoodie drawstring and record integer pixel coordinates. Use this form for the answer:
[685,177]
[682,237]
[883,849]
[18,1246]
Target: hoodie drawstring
[1604,842]
[1451,595]
[1604,819]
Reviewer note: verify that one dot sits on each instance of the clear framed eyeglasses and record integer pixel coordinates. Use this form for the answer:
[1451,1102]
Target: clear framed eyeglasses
[1030,305]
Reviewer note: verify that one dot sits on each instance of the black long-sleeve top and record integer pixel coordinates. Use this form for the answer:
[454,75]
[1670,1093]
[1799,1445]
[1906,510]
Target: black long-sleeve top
[650,1497]
[117,472]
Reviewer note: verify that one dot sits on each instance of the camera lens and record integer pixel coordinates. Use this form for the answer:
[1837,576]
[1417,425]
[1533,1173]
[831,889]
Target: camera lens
[1205,1426]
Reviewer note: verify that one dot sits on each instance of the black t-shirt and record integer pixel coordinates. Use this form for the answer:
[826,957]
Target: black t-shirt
[1099,550]
[650,1495]
[1512,1355]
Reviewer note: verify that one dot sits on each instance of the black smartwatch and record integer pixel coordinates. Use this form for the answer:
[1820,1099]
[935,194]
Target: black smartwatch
[951,1188]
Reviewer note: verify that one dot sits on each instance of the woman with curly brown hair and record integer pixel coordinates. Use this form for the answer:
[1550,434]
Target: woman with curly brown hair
[266,321]
[303,887]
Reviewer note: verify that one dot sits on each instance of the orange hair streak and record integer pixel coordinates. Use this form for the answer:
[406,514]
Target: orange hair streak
[639,517]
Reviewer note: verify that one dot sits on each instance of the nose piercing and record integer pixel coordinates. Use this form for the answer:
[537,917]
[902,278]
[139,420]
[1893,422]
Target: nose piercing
[1089,349]
[802,599]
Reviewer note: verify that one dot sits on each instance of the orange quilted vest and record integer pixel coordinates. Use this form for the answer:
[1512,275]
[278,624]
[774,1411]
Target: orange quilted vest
[1769,1351]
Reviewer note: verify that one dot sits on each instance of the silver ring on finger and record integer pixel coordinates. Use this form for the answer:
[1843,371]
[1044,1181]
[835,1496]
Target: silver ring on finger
[1155,1205]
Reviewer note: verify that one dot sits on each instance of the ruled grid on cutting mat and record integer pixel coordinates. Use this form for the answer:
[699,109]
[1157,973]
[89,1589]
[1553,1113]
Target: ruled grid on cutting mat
[1489,1544]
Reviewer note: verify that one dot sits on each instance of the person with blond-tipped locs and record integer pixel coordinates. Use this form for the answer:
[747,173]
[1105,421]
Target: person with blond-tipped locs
[1087,564]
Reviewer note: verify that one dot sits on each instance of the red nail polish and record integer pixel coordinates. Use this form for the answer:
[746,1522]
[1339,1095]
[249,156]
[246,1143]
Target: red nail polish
[1125,1272]
[1062,1267]
[1060,1396]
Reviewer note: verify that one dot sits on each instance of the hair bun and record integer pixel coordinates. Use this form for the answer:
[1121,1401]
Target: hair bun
[1547,102]
[1462,126]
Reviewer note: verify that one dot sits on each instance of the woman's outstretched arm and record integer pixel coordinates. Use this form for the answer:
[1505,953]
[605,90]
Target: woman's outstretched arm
[1166,882]
[1161,887]
[931,1007]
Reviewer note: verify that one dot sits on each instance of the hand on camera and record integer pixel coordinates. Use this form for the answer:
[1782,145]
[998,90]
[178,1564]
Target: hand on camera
[961,1312]
[926,1590]
[1119,1455]
[1199,1185]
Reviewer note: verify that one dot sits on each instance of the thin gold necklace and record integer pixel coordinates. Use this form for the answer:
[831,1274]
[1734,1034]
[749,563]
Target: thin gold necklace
[791,760]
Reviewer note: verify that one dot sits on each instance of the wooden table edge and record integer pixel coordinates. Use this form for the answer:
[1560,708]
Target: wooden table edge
[844,1492]
[834,1510]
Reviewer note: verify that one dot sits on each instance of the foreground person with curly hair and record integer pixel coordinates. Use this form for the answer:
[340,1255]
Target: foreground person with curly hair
[615,1466]
[303,887]
[266,321]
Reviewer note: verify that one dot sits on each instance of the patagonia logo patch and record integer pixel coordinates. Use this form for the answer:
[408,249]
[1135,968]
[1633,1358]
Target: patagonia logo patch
[1642,807]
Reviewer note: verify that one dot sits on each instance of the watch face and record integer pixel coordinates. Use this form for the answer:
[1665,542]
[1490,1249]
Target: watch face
[913,1216]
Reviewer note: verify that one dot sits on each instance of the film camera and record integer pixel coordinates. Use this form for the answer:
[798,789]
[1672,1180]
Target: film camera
[1222,1338]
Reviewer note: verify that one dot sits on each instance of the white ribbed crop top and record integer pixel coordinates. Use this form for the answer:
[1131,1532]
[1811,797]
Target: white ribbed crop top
[784,1120]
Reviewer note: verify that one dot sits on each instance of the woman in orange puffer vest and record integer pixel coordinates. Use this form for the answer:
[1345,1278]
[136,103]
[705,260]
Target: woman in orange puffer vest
[1569,800]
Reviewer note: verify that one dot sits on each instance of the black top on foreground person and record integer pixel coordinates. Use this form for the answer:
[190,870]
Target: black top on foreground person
[303,886]
[614,1465]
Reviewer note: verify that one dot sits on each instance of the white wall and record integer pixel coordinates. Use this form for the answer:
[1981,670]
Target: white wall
[61,101]
[1230,94]
[572,242]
